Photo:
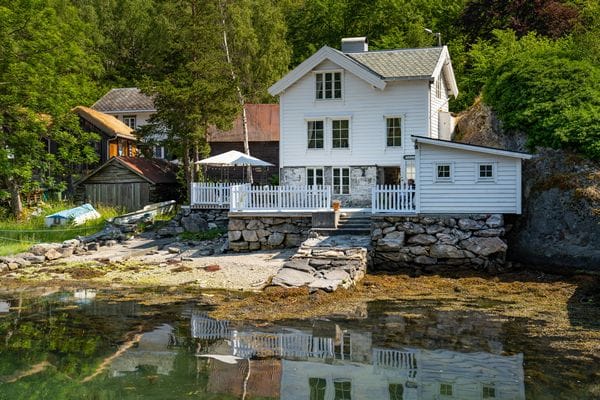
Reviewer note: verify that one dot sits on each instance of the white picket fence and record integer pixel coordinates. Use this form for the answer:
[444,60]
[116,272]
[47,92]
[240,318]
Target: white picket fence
[210,195]
[393,199]
[278,198]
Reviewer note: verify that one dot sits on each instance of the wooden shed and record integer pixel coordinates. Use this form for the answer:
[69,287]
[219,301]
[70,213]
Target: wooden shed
[130,182]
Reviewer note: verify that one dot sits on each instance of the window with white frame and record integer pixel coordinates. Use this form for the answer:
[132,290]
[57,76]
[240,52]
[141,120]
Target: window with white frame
[130,121]
[443,172]
[393,129]
[340,134]
[317,388]
[341,180]
[316,134]
[446,389]
[158,151]
[486,172]
[328,85]
[343,389]
[489,392]
[314,176]
[409,168]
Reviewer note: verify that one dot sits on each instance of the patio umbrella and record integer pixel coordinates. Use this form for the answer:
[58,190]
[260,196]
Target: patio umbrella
[234,158]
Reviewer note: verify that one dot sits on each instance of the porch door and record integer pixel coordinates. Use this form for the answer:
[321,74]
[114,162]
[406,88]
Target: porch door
[391,175]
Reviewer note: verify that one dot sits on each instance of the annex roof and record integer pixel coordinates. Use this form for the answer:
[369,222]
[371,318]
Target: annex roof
[124,100]
[263,126]
[151,169]
[472,147]
[379,67]
[106,123]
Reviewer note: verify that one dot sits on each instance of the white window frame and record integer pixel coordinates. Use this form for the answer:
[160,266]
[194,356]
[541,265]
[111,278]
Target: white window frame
[323,73]
[438,179]
[127,118]
[385,128]
[446,396]
[486,178]
[489,386]
[406,169]
[324,122]
[332,120]
[314,169]
[439,87]
[341,185]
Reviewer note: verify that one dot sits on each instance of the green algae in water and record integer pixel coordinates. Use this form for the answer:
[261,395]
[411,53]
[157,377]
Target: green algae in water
[89,345]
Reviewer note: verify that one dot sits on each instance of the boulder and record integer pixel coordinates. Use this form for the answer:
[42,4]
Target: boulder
[293,240]
[489,232]
[254,225]
[276,239]
[262,233]
[319,263]
[445,238]
[194,223]
[12,266]
[424,260]
[234,235]
[376,234]
[173,250]
[53,254]
[42,248]
[289,277]
[67,251]
[238,246]
[467,224]
[445,251]
[418,250]
[36,259]
[433,229]
[300,265]
[336,274]
[391,242]
[422,239]
[285,228]
[329,285]
[71,243]
[250,236]
[170,231]
[212,225]
[484,246]
[460,235]
[410,228]
[254,246]
[236,225]
[389,229]
[495,221]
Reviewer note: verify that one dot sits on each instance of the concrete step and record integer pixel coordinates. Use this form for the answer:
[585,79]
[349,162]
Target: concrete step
[342,231]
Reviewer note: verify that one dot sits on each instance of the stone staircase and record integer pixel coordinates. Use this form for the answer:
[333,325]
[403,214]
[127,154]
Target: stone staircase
[350,223]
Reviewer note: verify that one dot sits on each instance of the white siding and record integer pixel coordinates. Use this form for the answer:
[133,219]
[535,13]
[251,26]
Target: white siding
[366,108]
[141,117]
[465,194]
[437,104]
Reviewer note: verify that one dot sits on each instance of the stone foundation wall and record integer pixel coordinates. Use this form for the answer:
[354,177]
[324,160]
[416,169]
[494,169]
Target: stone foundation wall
[259,232]
[438,243]
[194,220]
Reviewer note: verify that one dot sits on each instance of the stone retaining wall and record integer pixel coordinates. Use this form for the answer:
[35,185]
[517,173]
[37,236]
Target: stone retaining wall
[255,232]
[438,243]
[194,220]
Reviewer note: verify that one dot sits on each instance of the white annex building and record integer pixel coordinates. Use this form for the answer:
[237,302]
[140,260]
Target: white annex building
[375,127]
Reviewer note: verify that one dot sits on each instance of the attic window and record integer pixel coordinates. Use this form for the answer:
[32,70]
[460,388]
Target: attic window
[130,121]
[328,85]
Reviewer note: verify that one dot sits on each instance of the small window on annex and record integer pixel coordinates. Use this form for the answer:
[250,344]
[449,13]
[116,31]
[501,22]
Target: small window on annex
[489,392]
[443,172]
[393,131]
[314,176]
[328,85]
[341,180]
[486,172]
[396,391]
[317,388]
[340,133]
[130,121]
[315,134]
[445,389]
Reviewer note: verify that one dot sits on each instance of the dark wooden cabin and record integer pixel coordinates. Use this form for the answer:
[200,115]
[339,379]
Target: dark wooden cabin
[130,182]
[263,138]
[116,138]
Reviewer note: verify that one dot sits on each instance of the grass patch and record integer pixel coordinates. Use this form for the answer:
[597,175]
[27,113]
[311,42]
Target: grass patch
[207,235]
[18,236]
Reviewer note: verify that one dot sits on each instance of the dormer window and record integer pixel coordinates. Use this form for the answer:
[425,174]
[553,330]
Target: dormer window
[328,85]
[130,121]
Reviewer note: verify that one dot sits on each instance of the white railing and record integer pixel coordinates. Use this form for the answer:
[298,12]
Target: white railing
[278,198]
[393,199]
[395,359]
[210,195]
[292,345]
[204,327]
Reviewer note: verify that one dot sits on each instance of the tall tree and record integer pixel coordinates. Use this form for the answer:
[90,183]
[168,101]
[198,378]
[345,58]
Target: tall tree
[196,90]
[255,49]
[44,71]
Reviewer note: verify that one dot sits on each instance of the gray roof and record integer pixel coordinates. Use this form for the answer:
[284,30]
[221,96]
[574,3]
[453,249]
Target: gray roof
[400,64]
[124,99]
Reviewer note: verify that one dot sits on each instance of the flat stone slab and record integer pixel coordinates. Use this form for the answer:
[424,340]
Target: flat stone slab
[329,285]
[289,277]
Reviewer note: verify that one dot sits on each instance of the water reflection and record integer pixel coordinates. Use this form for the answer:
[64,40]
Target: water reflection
[4,306]
[329,362]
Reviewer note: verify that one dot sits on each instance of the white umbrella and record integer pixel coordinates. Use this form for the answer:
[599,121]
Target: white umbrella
[234,158]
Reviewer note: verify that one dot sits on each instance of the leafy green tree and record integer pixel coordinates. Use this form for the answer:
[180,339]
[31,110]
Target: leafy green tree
[45,69]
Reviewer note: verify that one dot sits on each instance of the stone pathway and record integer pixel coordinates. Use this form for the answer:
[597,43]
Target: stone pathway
[326,263]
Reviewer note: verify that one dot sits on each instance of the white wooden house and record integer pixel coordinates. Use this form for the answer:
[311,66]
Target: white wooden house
[356,120]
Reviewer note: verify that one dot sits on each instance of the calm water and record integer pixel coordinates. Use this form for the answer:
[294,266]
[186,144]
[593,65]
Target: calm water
[88,345]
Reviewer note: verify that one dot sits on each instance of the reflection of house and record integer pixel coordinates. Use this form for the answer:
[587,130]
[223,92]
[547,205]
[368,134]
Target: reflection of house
[116,138]
[130,182]
[344,364]
[263,140]
[264,377]
[4,306]
[153,351]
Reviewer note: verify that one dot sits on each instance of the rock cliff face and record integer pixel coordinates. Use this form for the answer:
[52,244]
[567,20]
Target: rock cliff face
[559,229]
